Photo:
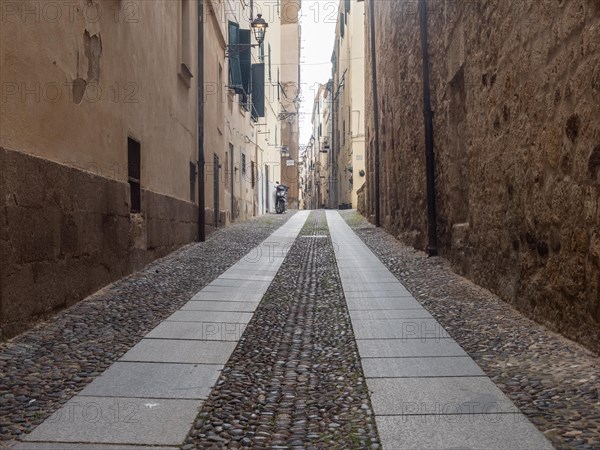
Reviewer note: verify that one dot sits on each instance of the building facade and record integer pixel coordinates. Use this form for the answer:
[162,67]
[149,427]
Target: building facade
[315,173]
[290,96]
[99,139]
[231,171]
[348,116]
[515,87]
[98,147]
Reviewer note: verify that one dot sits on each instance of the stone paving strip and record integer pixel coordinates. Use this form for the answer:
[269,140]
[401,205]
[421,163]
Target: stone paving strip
[553,381]
[152,394]
[427,393]
[295,379]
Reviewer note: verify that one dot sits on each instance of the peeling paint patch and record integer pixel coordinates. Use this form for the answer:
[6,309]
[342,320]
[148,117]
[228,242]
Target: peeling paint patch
[93,52]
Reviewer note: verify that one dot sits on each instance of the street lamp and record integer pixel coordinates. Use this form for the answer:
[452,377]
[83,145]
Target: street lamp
[259,25]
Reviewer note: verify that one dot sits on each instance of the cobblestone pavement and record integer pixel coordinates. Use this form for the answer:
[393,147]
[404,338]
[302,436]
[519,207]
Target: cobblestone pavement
[554,381]
[43,368]
[295,379]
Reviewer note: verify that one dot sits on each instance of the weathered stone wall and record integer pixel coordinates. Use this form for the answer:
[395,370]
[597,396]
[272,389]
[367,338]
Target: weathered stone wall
[516,94]
[64,233]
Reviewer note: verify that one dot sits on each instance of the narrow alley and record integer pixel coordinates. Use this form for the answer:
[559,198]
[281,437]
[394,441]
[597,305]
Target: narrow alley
[300,224]
[298,332]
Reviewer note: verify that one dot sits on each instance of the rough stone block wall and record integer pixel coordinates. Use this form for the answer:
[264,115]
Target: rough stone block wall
[65,233]
[516,93]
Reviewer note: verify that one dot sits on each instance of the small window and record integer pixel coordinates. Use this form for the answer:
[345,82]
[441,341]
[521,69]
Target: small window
[243,164]
[253,174]
[134,174]
[193,175]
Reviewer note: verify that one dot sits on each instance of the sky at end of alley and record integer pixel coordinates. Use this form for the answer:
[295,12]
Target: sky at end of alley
[318,22]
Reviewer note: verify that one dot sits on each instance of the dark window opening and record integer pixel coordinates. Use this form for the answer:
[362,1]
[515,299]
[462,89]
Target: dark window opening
[244,164]
[253,174]
[134,174]
[192,182]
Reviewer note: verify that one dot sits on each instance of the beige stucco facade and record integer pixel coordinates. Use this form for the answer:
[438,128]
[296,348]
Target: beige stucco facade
[348,174]
[79,78]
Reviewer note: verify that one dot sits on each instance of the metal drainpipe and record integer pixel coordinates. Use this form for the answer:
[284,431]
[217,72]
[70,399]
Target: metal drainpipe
[375,113]
[429,148]
[201,161]
[332,196]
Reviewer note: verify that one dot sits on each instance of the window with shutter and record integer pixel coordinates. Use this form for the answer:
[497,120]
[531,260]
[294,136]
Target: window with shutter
[245,64]
[235,71]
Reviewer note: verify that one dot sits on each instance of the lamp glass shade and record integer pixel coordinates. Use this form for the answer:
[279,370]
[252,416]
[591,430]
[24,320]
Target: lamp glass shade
[259,25]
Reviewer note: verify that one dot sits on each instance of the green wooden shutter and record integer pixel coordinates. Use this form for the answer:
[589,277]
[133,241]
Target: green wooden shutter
[235,71]
[245,59]
[258,90]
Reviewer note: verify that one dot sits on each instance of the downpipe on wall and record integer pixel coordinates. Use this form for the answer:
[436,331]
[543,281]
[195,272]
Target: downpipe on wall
[429,147]
[201,160]
[375,113]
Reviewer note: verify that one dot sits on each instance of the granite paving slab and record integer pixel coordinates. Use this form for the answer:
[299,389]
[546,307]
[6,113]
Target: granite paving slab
[379,314]
[251,289]
[79,446]
[365,302]
[210,316]
[198,331]
[227,297]
[460,432]
[421,367]
[374,276]
[399,329]
[119,421]
[407,348]
[208,305]
[374,290]
[233,282]
[378,293]
[251,270]
[158,380]
[448,395]
[180,351]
